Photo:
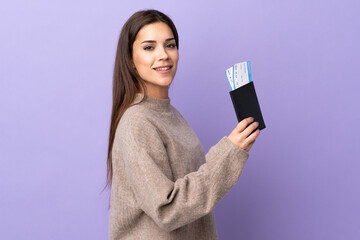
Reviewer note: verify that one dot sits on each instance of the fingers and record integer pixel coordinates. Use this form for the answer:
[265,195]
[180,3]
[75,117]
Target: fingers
[249,146]
[243,124]
[244,134]
[250,129]
[251,139]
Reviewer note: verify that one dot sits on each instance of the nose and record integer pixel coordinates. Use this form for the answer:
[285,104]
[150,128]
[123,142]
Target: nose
[162,53]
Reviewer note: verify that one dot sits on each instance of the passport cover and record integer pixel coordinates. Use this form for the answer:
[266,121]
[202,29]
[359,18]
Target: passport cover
[246,104]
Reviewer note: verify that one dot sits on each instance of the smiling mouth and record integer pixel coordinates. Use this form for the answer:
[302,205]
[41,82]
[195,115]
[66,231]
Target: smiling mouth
[163,68]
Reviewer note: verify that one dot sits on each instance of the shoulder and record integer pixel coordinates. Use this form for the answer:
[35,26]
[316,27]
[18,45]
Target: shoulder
[136,122]
[135,114]
[136,132]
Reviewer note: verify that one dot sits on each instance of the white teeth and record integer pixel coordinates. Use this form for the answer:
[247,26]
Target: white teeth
[162,69]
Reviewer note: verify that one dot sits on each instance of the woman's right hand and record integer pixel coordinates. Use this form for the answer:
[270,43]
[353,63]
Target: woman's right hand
[241,136]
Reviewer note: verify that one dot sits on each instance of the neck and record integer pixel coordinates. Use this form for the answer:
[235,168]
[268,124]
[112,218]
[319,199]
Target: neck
[162,93]
[154,103]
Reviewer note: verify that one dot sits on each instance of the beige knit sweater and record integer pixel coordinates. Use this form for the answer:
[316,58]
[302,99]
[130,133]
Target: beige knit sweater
[163,186]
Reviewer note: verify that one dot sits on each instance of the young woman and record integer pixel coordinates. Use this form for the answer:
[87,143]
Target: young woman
[163,186]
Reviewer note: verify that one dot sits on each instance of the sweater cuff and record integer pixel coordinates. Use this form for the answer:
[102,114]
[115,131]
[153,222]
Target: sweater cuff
[235,149]
[225,148]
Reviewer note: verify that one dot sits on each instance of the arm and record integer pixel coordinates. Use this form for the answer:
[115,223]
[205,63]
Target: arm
[174,204]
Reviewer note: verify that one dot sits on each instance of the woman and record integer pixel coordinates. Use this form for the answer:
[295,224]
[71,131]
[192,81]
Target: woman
[162,184]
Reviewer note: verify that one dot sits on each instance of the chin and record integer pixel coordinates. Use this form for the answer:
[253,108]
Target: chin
[165,83]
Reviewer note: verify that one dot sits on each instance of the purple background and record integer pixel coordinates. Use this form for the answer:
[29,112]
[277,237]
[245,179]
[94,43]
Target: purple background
[302,178]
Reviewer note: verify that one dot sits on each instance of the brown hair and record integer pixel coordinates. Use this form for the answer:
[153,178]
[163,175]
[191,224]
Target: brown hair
[126,80]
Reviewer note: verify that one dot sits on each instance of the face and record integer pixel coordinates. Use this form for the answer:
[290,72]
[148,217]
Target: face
[155,57]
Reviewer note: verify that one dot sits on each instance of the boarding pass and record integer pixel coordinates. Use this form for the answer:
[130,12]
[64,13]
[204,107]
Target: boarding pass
[238,75]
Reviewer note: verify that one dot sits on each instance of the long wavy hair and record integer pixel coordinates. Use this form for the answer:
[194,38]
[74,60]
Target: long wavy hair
[126,80]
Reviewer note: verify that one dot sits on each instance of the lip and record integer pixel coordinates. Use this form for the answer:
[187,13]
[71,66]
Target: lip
[163,66]
[164,71]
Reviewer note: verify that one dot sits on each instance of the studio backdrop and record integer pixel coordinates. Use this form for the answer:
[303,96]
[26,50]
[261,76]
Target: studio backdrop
[302,178]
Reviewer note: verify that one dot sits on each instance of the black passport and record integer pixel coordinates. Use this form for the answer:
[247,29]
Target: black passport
[246,104]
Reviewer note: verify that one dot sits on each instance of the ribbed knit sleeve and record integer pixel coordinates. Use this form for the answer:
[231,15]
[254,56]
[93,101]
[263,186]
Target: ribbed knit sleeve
[172,204]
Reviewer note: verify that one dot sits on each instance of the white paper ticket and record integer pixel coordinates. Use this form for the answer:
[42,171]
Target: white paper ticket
[229,73]
[241,75]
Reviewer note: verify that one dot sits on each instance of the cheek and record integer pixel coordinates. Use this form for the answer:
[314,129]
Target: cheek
[142,61]
[175,56]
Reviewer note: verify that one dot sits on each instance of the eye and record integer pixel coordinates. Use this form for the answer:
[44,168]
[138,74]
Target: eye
[148,48]
[171,45]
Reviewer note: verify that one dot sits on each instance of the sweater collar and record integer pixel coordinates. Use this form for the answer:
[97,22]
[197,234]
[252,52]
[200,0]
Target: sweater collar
[157,104]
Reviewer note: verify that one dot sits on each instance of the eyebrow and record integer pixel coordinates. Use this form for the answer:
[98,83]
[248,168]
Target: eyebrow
[153,41]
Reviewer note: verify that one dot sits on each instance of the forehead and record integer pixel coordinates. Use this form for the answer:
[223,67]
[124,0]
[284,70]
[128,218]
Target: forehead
[154,31]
